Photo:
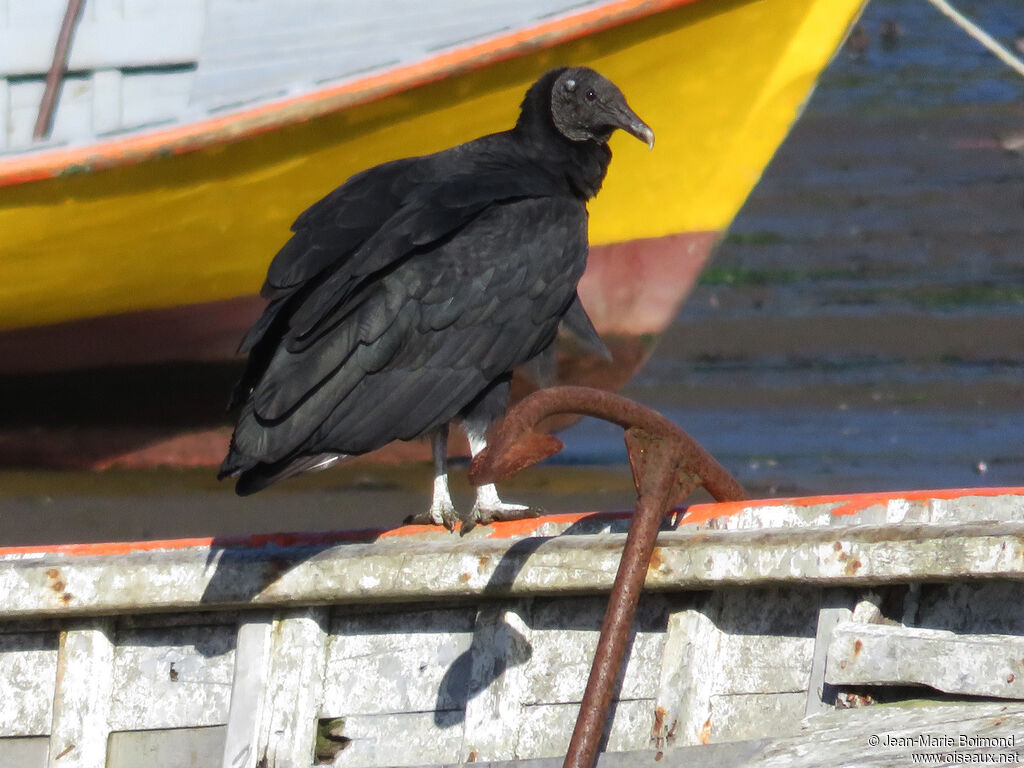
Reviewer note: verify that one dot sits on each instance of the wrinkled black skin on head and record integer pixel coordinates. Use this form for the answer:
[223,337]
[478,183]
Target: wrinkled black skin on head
[553,116]
[586,106]
[406,297]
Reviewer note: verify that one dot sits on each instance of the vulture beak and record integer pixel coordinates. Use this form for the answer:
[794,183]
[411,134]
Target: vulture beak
[630,122]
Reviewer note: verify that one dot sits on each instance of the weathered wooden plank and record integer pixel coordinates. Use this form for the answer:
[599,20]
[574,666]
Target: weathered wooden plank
[34,11]
[287,730]
[172,677]
[480,673]
[844,739]
[24,752]
[440,567]
[170,37]
[545,730]
[503,644]
[28,671]
[252,50]
[413,661]
[152,97]
[694,640]
[72,119]
[892,510]
[767,640]
[743,652]
[671,679]
[23,99]
[563,639]
[409,738]
[919,713]
[85,681]
[880,654]
[763,663]
[102,102]
[248,692]
[276,690]
[836,606]
[738,617]
[175,748]
[5,114]
[739,716]
[106,100]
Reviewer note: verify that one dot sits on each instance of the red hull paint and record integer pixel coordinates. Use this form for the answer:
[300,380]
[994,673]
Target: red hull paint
[631,289]
[637,288]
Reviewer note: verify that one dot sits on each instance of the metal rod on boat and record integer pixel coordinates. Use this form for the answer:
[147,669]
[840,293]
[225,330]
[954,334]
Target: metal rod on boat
[618,617]
[667,464]
[48,106]
[516,445]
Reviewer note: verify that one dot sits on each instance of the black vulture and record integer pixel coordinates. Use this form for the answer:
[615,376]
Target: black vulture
[406,297]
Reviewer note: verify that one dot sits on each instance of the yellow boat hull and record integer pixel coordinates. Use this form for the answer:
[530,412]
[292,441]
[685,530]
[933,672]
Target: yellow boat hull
[112,230]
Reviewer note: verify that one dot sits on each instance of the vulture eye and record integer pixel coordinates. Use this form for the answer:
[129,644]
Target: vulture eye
[590,95]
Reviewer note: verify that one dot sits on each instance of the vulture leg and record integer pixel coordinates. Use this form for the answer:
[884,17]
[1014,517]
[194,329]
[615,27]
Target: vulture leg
[442,510]
[489,508]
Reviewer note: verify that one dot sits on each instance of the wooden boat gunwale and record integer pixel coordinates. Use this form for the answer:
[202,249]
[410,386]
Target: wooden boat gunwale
[426,562]
[695,514]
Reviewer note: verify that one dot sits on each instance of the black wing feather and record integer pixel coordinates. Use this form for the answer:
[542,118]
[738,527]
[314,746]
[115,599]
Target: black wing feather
[441,325]
[577,322]
[336,225]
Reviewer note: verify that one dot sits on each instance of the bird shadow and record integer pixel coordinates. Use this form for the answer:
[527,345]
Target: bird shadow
[235,581]
[244,567]
[500,638]
[499,645]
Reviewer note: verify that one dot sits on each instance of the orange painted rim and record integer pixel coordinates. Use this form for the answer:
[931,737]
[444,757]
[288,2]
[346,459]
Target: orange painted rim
[277,114]
[846,504]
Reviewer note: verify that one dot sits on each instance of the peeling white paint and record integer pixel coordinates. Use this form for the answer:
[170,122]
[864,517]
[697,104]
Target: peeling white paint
[368,582]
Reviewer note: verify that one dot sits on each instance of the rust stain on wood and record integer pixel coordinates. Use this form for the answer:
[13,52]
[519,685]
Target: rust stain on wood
[704,737]
[56,582]
[659,721]
[657,563]
[64,752]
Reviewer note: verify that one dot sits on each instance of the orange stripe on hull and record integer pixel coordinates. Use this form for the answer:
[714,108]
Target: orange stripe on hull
[845,504]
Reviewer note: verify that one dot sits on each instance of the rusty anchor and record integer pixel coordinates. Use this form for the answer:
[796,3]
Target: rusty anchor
[668,465]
